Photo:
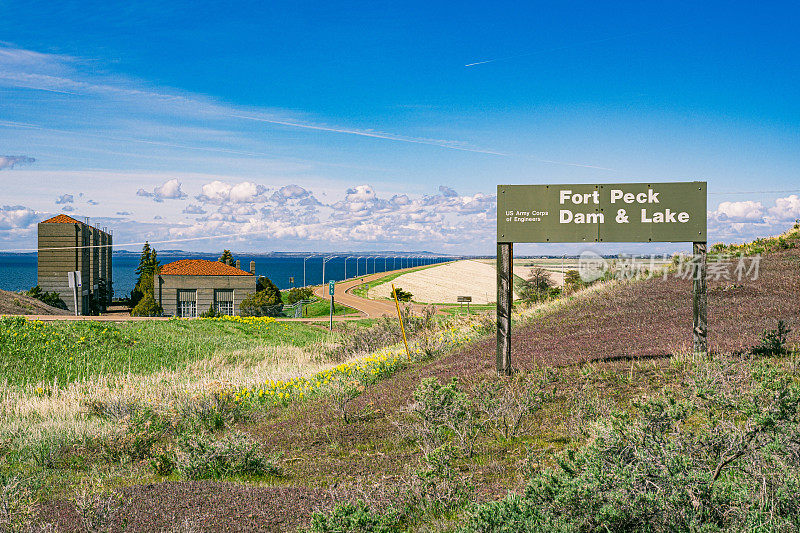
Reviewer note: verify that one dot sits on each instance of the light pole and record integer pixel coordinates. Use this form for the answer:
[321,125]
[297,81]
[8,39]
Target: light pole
[357,258]
[325,260]
[345,265]
[374,260]
[304,268]
[385,259]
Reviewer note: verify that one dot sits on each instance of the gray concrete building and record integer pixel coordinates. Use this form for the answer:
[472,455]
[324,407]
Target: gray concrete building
[68,245]
[189,287]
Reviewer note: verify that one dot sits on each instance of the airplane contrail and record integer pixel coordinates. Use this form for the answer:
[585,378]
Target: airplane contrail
[415,140]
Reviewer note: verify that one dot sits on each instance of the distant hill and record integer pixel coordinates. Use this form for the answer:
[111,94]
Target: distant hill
[12,303]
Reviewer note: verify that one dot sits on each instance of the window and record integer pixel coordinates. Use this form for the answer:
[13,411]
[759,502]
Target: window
[187,303]
[223,301]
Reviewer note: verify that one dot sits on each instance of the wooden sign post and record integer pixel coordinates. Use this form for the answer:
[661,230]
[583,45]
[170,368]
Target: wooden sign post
[624,212]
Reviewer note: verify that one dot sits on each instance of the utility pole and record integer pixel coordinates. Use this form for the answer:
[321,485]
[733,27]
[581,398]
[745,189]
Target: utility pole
[345,266]
[325,260]
[304,268]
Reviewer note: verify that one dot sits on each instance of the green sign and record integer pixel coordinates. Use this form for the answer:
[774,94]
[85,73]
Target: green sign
[622,212]
[331,285]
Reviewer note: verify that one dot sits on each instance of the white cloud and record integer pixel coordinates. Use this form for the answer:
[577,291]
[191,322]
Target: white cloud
[220,192]
[169,190]
[14,217]
[65,199]
[193,209]
[786,209]
[745,211]
[7,162]
[294,193]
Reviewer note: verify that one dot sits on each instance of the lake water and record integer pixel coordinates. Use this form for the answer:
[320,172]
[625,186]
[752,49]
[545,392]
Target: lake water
[18,271]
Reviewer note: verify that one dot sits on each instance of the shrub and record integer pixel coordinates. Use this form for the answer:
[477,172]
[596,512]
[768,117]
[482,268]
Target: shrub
[95,506]
[139,433]
[537,287]
[344,390]
[572,281]
[147,306]
[296,294]
[435,487]
[53,299]
[356,518]
[440,412]
[234,454]
[401,295]
[773,342]
[505,404]
[722,457]
[266,301]
[384,332]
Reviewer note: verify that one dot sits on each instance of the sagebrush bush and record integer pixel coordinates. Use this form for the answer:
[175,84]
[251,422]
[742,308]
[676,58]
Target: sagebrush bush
[505,404]
[724,457]
[200,457]
[440,413]
[773,341]
[138,433]
[355,517]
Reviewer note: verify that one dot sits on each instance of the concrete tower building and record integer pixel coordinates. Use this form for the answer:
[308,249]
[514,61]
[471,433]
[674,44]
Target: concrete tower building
[68,245]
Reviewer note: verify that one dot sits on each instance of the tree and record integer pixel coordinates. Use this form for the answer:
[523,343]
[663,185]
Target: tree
[266,301]
[261,303]
[295,294]
[227,258]
[403,296]
[144,259]
[147,306]
[147,269]
[537,286]
[265,284]
[211,313]
[572,281]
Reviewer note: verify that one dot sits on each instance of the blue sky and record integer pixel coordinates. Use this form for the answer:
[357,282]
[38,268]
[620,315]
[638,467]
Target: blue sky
[358,126]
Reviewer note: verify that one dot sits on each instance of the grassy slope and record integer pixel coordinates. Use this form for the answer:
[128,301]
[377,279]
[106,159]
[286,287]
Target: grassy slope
[36,352]
[12,303]
[370,454]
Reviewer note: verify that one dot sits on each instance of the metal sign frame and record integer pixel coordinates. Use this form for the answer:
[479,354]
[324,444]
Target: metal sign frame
[535,213]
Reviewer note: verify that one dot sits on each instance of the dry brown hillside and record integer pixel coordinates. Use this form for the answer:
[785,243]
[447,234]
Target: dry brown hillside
[12,303]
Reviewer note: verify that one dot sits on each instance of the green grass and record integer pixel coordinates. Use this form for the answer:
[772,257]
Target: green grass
[474,309]
[62,352]
[323,308]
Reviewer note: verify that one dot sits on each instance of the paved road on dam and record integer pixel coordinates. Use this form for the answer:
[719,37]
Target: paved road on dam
[343,294]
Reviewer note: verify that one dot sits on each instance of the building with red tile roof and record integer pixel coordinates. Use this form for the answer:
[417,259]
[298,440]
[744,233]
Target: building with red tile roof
[189,287]
[201,267]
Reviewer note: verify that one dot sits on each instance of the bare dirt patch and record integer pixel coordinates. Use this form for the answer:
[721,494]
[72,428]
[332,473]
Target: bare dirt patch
[445,283]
